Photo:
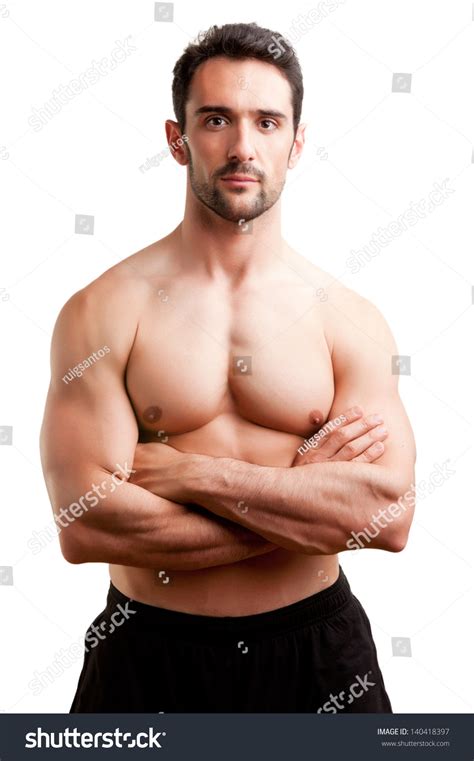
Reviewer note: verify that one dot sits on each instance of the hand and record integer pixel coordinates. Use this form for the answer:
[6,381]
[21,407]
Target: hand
[350,437]
[154,463]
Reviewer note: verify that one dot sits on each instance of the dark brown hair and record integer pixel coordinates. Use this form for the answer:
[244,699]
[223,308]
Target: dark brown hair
[237,41]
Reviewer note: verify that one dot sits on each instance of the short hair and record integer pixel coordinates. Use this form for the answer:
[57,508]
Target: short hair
[237,41]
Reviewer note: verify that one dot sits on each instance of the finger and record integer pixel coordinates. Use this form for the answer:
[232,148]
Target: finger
[357,446]
[319,438]
[353,413]
[372,453]
[336,439]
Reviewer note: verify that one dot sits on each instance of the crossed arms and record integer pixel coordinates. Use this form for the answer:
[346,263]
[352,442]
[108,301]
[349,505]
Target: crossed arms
[89,428]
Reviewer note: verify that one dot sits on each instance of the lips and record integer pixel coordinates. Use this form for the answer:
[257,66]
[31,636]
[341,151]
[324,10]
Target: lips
[239,178]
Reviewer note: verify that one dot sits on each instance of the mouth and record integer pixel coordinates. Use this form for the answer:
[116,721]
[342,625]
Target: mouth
[238,179]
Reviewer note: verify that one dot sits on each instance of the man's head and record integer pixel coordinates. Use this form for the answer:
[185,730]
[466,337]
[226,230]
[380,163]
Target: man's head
[237,96]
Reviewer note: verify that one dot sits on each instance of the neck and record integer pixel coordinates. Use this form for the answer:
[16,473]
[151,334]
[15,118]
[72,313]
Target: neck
[224,250]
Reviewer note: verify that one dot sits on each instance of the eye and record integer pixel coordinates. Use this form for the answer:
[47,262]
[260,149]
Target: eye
[214,119]
[272,125]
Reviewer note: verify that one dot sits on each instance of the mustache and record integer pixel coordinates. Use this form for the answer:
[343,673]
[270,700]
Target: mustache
[250,171]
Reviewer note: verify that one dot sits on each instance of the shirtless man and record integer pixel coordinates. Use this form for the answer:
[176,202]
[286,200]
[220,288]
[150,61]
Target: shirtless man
[224,350]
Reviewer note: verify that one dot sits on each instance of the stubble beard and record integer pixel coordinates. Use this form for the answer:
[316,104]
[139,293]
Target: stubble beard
[215,199]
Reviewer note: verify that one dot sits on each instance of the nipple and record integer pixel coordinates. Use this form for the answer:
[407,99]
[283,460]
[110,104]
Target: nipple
[316,417]
[152,414]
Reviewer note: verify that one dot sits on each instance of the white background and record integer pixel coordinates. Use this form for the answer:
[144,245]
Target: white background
[370,153]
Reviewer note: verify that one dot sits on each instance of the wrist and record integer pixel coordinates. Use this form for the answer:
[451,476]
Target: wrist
[193,475]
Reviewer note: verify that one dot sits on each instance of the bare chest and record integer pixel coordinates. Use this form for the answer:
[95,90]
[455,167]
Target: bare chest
[261,356]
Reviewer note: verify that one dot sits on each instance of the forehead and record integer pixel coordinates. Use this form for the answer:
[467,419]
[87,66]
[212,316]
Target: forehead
[240,83]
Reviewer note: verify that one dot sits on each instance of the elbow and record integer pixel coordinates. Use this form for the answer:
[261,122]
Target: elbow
[396,541]
[393,536]
[73,548]
[396,516]
[73,555]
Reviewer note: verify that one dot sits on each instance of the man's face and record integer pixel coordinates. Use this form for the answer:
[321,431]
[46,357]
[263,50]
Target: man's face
[239,121]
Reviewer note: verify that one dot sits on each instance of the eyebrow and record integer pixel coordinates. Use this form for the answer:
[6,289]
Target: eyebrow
[227,110]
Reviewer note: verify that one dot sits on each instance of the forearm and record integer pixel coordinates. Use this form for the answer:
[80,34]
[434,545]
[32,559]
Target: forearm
[201,540]
[128,525]
[311,509]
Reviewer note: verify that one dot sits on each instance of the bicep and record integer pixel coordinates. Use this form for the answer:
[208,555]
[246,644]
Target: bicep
[89,424]
[362,362]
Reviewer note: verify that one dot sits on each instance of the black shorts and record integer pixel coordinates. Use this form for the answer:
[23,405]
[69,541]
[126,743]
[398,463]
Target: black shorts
[316,655]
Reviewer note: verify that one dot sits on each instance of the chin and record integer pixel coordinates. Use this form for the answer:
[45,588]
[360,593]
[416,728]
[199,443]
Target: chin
[243,214]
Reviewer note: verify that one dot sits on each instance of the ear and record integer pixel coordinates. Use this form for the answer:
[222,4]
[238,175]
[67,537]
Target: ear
[298,144]
[176,142]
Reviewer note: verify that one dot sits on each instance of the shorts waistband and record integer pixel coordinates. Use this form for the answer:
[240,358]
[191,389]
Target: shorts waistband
[309,610]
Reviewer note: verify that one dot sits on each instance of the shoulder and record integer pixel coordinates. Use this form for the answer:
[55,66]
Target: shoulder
[121,292]
[359,318]
[350,320]
[109,308]
[361,336]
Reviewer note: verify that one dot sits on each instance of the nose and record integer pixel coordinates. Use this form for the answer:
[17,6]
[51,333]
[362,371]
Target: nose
[241,148]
